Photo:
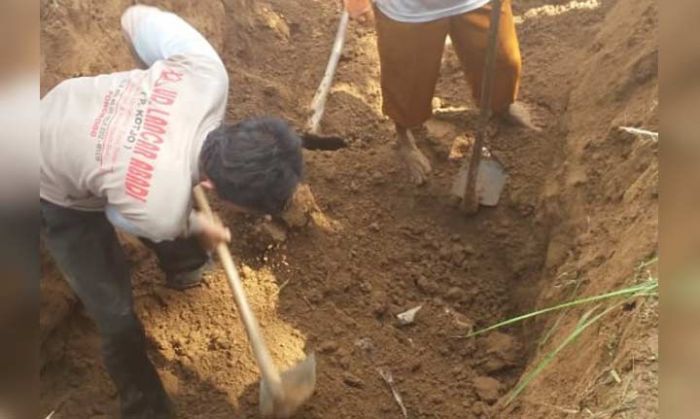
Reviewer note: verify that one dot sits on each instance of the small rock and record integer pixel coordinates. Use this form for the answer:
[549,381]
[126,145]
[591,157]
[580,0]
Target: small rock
[246,271]
[398,299]
[462,323]
[160,344]
[426,286]
[344,362]
[469,249]
[365,287]
[97,410]
[374,227]
[218,342]
[378,178]
[365,344]
[478,408]
[416,365]
[177,342]
[445,253]
[328,347]
[458,257]
[275,232]
[379,303]
[440,131]
[461,147]
[502,346]
[493,365]
[315,296]
[437,399]
[487,388]
[343,281]
[352,380]
[455,294]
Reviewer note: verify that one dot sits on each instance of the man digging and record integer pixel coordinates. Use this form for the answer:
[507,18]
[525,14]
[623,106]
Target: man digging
[125,150]
[411,36]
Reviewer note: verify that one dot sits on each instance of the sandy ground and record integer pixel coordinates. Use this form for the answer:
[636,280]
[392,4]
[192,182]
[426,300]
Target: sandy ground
[577,217]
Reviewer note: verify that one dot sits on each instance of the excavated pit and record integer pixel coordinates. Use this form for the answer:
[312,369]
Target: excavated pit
[579,210]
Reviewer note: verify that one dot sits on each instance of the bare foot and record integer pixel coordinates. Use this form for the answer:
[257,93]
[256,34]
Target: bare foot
[415,161]
[519,116]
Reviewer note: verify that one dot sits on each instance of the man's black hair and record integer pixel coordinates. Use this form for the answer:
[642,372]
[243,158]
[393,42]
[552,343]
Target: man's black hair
[255,164]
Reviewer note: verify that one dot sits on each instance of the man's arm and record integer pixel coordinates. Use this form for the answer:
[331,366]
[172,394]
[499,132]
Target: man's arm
[209,231]
[158,35]
[156,227]
[155,232]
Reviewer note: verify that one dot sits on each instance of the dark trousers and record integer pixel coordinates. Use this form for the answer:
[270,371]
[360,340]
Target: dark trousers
[85,247]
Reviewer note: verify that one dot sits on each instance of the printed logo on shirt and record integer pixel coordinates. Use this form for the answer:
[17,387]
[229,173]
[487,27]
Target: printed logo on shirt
[147,143]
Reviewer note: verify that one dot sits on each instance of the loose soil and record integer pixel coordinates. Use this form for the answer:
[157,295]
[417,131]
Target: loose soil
[577,217]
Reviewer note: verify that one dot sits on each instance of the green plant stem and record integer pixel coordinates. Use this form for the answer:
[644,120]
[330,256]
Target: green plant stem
[645,289]
[583,324]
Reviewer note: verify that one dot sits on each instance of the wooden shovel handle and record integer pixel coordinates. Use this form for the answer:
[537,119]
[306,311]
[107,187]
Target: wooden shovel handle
[268,370]
[318,103]
[470,202]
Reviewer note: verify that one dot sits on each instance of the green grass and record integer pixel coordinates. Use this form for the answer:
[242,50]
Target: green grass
[605,303]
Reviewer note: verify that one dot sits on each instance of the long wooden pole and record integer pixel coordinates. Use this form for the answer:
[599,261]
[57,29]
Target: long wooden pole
[318,103]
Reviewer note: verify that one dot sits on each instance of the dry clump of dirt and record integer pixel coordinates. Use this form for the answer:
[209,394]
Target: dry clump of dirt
[368,245]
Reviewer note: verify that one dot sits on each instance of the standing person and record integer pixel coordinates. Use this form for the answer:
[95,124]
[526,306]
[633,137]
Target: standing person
[411,36]
[125,150]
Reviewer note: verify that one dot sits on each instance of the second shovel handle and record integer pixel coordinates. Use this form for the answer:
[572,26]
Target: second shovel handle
[268,370]
[318,103]
[470,200]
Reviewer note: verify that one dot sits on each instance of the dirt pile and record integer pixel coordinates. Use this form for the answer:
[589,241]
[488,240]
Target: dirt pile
[390,246]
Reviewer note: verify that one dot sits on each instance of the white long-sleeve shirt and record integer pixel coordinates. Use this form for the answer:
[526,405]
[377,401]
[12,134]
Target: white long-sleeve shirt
[415,11]
[128,143]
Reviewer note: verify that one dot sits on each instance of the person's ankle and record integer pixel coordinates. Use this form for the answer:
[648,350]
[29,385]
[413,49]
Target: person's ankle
[517,115]
[406,138]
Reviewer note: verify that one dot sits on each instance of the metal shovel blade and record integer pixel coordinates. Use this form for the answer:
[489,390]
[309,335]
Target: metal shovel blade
[490,180]
[298,384]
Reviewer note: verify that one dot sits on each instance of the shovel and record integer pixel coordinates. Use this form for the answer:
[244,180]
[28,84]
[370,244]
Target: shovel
[311,138]
[482,177]
[280,394]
